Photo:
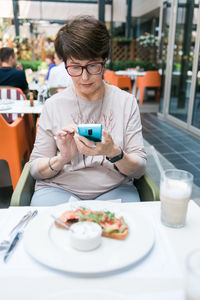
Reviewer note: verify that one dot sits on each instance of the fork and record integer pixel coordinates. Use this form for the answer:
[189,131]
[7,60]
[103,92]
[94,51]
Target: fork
[6,242]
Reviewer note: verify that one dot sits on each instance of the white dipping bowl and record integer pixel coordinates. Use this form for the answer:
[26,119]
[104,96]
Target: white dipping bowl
[85,236]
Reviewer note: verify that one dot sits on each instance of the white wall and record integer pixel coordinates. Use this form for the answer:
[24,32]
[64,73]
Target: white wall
[64,11]
[142,7]
[6,9]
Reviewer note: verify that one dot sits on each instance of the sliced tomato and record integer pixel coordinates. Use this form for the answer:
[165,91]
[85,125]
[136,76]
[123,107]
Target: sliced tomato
[119,222]
[110,222]
[110,227]
[79,210]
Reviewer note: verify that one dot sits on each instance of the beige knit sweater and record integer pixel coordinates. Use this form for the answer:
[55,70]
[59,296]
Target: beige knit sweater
[87,177]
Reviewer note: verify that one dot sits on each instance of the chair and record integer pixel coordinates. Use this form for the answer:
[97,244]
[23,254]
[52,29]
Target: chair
[59,90]
[13,93]
[121,81]
[9,92]
[24,190]
[151,79]
[54,90]
[14,146]
[108,75]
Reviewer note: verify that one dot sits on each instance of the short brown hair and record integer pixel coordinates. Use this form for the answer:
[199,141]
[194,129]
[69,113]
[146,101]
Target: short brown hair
[5,54]
[83,37]
[50,56]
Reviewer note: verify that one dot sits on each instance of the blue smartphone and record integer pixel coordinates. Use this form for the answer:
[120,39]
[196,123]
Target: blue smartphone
[92,132]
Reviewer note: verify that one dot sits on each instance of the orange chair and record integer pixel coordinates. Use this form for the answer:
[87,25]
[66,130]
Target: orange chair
[108,75]
[121,81]
[151,79]
[14,93]
[14,146]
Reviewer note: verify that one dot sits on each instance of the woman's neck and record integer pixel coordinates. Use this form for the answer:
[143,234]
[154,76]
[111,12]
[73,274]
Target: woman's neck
[96,95]
[5,65]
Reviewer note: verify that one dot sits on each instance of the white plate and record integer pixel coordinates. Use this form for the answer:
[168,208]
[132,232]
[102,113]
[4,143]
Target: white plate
[5,107]
[8,101]
[50,245]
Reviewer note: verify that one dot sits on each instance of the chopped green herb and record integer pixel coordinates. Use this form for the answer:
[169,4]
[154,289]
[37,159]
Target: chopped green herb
[83,208]
[110,216]
[82,217]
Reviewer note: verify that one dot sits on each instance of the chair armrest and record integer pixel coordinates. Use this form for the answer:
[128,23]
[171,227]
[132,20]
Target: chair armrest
[147,189]
[24,189]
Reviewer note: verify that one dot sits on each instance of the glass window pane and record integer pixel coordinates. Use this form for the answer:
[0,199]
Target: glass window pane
[186,26]
[196,107]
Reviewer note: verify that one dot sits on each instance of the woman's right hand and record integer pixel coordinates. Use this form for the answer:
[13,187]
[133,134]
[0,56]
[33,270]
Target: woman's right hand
[66,143]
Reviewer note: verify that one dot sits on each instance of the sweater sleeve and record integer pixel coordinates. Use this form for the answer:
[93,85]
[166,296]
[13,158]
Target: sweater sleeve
[45,144]
[134,139]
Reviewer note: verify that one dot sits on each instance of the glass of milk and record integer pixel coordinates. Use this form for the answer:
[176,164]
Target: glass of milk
[192,275]
[175,192]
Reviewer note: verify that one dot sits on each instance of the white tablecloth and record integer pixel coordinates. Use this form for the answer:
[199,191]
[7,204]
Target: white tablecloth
[133,74]
[130,73]
[159,276]
[21,106]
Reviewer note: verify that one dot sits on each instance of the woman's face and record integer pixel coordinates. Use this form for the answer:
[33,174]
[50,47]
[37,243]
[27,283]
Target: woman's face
[87,85]
[48,61]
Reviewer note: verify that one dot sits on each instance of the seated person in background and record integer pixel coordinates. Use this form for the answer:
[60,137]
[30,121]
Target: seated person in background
[49,59]
[65,163]
[11,73]
[58,76]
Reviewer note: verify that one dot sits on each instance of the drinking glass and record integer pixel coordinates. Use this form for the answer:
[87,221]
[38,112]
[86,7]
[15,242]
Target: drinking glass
[175,192]
[192,276]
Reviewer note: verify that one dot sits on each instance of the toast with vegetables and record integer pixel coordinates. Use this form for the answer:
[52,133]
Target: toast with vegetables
[112,226]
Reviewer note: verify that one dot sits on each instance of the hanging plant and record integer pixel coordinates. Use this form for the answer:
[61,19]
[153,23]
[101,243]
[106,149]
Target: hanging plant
[148,40]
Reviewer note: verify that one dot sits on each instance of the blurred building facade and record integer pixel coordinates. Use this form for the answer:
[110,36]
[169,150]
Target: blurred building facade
[176,23]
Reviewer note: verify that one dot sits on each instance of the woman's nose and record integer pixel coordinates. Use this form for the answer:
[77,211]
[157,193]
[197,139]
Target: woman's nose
[85,74]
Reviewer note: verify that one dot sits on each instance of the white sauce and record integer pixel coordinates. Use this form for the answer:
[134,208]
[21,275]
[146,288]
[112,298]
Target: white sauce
[85,236]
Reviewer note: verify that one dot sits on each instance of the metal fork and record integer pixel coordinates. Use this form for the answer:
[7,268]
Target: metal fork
[6,242]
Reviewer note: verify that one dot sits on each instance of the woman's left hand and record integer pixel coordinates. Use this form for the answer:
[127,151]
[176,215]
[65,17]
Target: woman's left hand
[105,147]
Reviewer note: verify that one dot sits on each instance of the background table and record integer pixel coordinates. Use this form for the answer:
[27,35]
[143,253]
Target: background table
[21,107]
[130,73]
[133,74]
[159,276]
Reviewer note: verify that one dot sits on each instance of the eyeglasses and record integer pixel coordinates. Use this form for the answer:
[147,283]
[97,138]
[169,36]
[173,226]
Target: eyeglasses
[92,69]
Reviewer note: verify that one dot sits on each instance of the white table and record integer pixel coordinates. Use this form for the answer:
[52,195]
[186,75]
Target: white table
[133,74]
[34,86]
[130,73]
[20,106]
[159,276]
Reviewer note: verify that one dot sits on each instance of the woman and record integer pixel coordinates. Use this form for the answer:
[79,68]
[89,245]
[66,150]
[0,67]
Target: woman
[49,59]
[58,76]
[63,162]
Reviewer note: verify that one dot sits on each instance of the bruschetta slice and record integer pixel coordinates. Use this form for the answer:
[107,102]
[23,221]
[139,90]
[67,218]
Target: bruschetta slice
[112,226]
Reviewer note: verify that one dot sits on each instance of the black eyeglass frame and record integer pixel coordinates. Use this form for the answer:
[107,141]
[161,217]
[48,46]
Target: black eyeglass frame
[102,63]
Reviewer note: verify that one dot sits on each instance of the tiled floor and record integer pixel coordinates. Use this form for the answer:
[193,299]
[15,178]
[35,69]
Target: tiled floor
[180,148]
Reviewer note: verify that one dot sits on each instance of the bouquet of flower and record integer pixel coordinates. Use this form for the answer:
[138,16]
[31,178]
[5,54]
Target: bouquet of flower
[148,40]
